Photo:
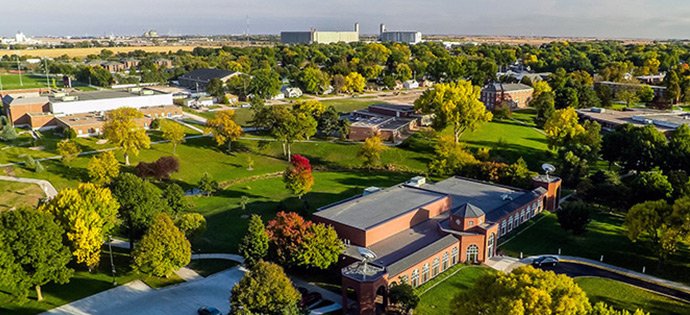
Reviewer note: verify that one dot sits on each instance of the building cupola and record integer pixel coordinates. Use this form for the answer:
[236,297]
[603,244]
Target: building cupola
[466,216]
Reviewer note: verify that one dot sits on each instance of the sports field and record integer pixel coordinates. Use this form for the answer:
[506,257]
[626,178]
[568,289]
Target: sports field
[13,82]
[83,52]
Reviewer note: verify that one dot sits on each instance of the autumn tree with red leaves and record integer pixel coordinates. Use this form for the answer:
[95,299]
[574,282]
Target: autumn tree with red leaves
[298,242]
[298,176]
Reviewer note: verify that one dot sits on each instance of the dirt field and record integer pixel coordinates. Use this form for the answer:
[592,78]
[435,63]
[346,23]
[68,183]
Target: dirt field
[83,52]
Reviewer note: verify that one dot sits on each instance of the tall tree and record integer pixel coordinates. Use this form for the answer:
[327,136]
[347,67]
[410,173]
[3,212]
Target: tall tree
[103,168]
[665,225]
[524,291]
[354,83]
[163,249]
[545,106]
[298,176]
[265,83]
[679,149]
[31,252]
[173,132]
[672,82]
[139,202]
[254,244]
[88,214]
[314,81]
[404,296]
[174,197]
[122,130]
[321,247]
[224,128]
[216,87]
[287,125]
[450,157]
[574,216]
[68,150]
[266,289]
[370,151]
[454,104]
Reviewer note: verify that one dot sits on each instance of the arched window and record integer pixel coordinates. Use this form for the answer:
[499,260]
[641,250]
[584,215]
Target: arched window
[425,273]
[455,255]
[490,245]
[510,223]
[522,216]
[434,267]
[472,253]
[503,228]
[415,278]
[403,279]
[445,261]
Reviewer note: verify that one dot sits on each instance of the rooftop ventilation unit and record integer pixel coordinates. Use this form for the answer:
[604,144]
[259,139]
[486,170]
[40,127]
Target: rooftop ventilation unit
[146,92]
[59,94]
[370,190]
[598,110]
[416,181]
[135,90]
[69,98]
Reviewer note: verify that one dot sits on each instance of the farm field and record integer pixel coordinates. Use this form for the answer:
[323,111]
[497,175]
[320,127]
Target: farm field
[83,52]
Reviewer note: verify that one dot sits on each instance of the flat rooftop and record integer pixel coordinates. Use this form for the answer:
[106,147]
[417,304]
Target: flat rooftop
[662,120]
[365,212]
[101,95]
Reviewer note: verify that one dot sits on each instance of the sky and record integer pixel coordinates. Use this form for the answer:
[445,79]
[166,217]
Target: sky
[658,19]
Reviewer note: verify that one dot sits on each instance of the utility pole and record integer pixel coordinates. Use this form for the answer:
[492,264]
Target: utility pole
[45,62]
[19,68]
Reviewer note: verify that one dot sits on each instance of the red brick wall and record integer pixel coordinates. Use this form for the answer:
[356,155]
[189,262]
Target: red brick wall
[18,112]
[358,133]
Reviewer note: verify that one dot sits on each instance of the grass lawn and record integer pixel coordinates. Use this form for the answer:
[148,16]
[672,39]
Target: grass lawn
[437,300]
[624,296]
[207,267]
[82,284]
[13,194]
[12,81]
[604,236]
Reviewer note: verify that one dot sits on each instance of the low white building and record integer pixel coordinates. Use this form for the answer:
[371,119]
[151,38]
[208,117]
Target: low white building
[102,101]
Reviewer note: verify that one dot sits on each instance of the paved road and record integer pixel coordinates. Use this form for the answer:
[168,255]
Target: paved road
[579,270]
[181,299]
[45,185]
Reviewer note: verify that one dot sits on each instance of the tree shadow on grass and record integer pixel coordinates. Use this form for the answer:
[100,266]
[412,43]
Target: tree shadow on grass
[511,152]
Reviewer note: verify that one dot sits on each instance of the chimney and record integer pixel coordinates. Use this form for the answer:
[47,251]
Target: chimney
[357,27]
[382,28]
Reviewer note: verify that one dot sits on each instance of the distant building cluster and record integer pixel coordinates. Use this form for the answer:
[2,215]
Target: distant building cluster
[20,39]
[327,37]
[85,112]
[513,95]
[409,37]
[391,122]
[320,37]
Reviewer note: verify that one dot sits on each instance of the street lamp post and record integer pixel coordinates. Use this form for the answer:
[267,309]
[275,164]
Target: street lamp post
[112,262]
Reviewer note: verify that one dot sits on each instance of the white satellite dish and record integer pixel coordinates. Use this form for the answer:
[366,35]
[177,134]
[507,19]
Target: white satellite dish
[366,253]
[548,168]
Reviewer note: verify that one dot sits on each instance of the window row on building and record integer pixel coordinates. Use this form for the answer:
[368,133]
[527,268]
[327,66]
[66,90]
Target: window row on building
[518,217]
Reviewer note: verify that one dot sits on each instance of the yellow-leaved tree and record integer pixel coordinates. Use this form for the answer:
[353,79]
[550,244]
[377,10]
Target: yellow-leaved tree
[371,150]
[454,104]
[122,130]
[562,127]
[103,168]
[173,132]
[88,214]
[224,128]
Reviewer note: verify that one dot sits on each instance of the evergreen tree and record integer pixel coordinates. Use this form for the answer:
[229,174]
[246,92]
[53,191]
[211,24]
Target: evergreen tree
[254,244]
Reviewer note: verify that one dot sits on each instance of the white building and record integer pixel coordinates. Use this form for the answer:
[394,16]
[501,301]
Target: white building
[291,92]
[410,84]
[409,37]
[102,101]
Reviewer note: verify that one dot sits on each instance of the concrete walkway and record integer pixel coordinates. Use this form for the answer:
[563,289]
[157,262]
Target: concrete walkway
[232,257]
[86,305]
[504,263]
[45,185]
[618,270]
[182,299]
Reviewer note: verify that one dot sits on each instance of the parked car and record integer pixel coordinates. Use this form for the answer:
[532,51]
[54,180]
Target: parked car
[208,310]
[545,261]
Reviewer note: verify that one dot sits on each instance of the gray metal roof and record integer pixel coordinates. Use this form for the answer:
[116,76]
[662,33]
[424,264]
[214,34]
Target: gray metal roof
[516,203]
[468,210]
[365,212]
[484,195]
[507,87]
[206,74]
